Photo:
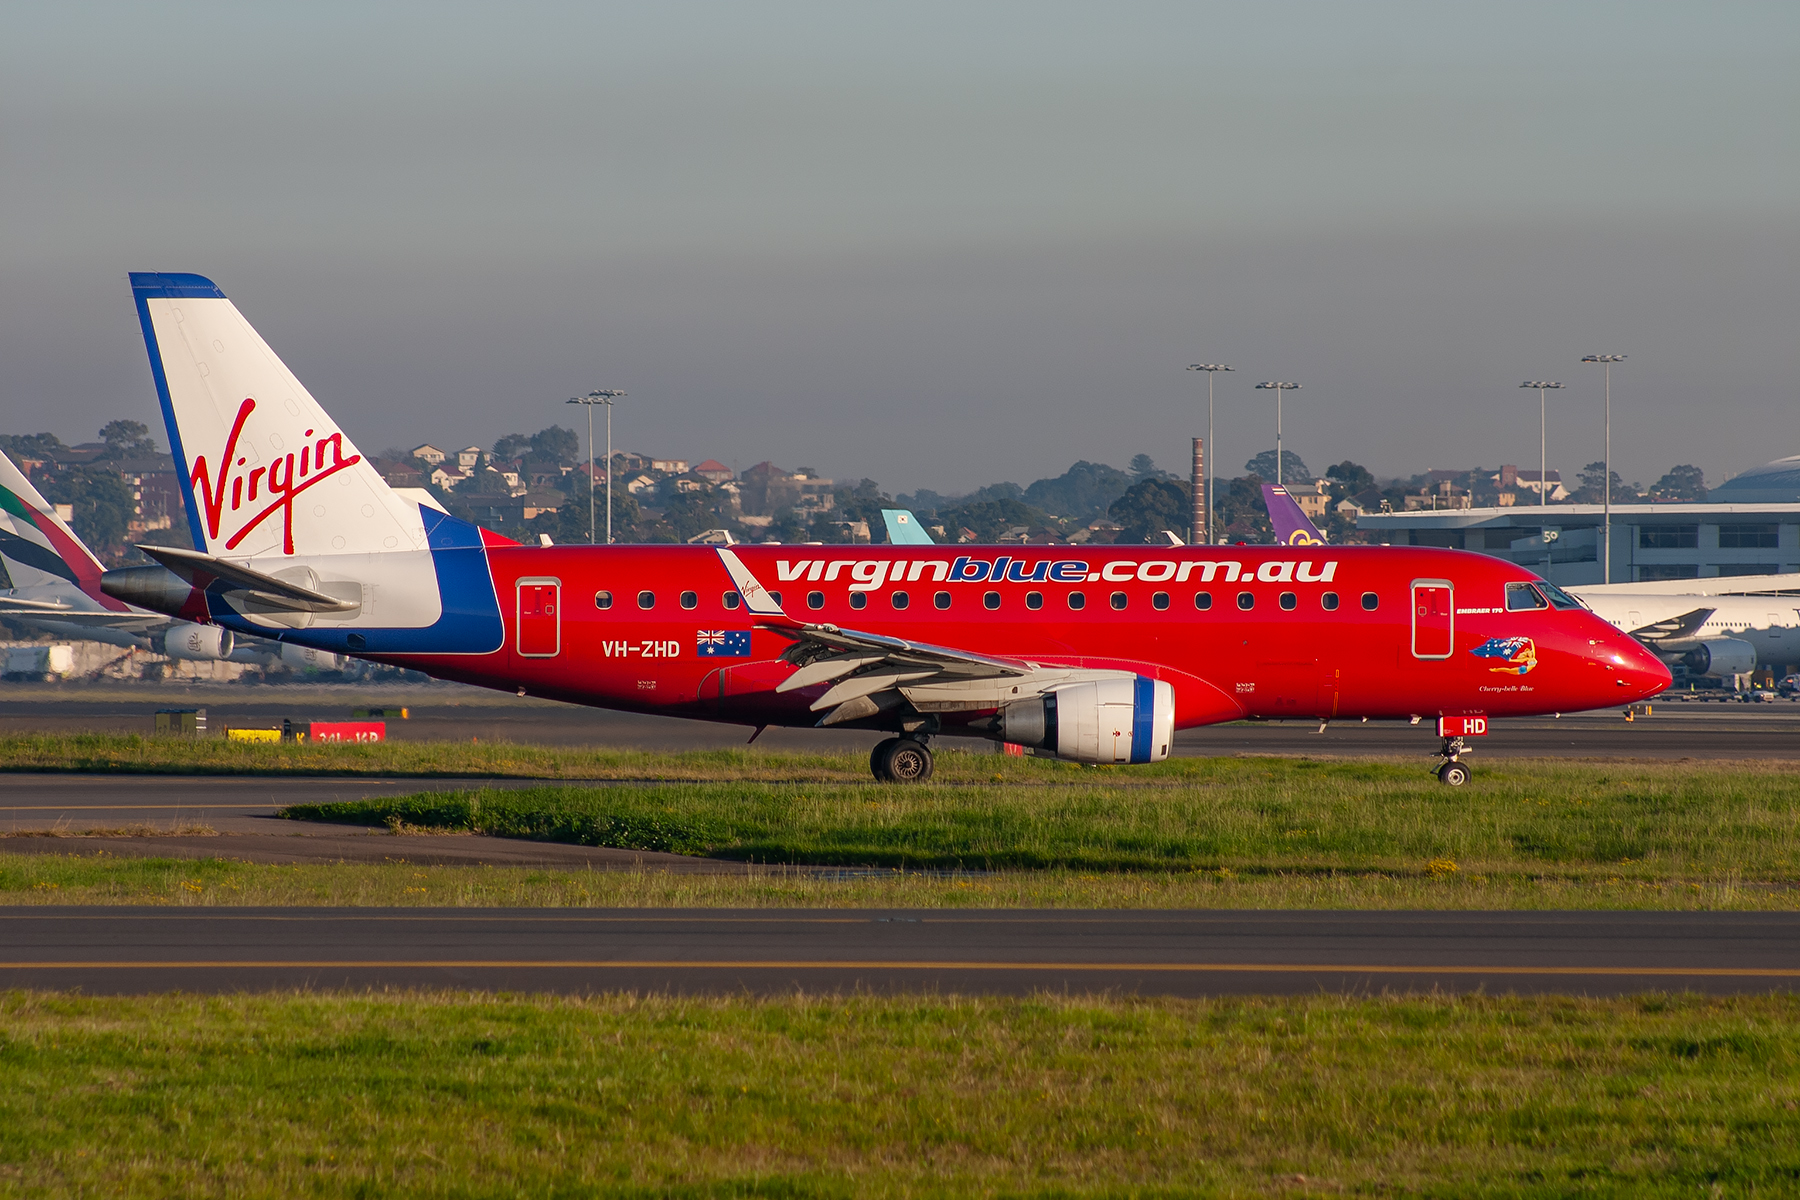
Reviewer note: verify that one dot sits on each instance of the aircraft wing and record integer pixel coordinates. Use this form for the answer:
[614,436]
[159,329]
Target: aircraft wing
[865,669]
[1672,628]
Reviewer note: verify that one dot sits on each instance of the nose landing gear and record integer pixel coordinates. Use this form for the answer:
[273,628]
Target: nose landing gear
[901,760]
[1454,772]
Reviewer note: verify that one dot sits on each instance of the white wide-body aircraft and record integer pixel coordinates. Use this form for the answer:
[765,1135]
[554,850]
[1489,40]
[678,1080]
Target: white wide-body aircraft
[1718,628]
[50,581]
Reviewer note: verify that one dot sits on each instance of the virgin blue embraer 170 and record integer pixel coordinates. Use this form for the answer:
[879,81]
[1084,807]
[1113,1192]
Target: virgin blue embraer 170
[1094,654]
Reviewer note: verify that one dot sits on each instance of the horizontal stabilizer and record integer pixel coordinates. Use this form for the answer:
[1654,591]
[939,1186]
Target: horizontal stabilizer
[1674,628]
[203,570]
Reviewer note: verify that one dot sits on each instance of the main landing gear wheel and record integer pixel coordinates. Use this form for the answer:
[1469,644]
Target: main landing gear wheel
[901,760]
[1453,773]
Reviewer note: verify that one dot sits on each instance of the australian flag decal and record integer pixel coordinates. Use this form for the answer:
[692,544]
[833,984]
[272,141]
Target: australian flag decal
[722,643]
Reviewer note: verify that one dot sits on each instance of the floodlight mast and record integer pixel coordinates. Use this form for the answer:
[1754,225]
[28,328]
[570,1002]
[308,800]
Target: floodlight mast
[1542,386]
[1606,487]
[606,397]
[1278,388]
[1211,450]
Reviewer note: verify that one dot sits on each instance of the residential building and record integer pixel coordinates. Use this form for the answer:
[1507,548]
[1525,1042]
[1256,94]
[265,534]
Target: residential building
[468,458]
[400,473]
[639,485]
[447,477]
[669,466]
[1313,498]
[428,453]
[1513,479]
[507,511]
[767,489]
[714,471]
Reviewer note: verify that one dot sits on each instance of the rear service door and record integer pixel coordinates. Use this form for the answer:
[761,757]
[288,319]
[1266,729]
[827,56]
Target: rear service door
[1433,618]
[540,618]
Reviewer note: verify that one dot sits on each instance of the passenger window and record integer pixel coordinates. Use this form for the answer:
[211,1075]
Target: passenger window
[941,599]
[646,599]
[1202,600]
[732,599]
[1246,601]
[1522,597]
[1118,599]
[1289,602]
[602,599]
[690,599]
[990,600]
[1329,601]
[1077,601]
[1034,600]
[859,599]
[1160,601]
[815,599]
[900,599]
[1369,601]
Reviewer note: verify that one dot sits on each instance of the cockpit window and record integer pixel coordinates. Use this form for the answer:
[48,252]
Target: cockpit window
[1557,596]
[1522,597]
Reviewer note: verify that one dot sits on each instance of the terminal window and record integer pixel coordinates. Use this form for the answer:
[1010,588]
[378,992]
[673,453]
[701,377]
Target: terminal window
[1749,569]
[1668,537]
[1668,571]
[1749,537]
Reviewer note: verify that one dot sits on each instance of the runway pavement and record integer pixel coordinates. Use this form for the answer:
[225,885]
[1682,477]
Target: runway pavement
[1675,729]
[1194,953]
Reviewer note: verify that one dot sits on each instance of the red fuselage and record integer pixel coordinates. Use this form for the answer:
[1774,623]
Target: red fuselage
[1247,631]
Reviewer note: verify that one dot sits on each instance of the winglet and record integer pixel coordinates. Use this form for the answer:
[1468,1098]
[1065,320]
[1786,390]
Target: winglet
[903,529]
[756,596]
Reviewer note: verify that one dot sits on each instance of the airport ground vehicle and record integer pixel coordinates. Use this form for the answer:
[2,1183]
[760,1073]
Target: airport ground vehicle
[1089,654]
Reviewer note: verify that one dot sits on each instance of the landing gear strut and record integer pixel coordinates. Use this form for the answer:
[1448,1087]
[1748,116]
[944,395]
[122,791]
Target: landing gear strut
[901,760]
[1454,772]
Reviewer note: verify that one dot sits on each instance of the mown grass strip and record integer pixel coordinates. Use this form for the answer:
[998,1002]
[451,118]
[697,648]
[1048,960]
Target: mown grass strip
[1638,821]
[436,1094]
[90,875]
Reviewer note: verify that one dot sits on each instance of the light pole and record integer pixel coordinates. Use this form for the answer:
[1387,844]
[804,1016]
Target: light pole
[1606,488]
[605,397]
[1278,388]
[1211,451]
[1542,386]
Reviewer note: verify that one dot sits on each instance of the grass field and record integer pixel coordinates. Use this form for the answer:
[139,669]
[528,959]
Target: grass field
[440,1095]
[98,877]
[1648,822]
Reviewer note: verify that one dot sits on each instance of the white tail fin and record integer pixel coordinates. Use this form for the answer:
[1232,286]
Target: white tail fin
[265,470]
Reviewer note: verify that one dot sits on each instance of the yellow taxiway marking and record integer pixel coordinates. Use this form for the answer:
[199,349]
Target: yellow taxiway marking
[896,965]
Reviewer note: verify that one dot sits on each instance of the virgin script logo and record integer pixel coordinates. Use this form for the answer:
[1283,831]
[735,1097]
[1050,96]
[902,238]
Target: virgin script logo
[275,485]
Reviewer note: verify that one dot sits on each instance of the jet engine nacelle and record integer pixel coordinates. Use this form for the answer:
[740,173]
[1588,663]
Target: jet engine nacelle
[305,658]
[1720,658]
[1104,721]
[198,643]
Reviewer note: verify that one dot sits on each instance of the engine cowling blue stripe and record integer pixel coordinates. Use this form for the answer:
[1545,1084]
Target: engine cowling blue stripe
[1143,717]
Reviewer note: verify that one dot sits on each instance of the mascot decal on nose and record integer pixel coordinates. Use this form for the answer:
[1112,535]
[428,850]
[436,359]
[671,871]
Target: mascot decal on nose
[1517,655]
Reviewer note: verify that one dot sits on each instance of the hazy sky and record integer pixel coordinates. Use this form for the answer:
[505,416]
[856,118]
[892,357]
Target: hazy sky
[935,244]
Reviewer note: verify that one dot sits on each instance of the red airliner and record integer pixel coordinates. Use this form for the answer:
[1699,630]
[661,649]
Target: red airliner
[1092,654]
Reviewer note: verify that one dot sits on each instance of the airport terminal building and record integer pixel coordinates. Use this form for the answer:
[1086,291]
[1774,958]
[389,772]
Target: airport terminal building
[1749,525]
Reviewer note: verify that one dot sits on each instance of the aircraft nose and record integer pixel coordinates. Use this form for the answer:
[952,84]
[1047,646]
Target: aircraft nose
[1637,673]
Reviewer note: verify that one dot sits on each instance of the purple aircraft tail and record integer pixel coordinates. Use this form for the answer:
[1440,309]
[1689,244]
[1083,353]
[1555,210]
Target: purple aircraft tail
[1292,528]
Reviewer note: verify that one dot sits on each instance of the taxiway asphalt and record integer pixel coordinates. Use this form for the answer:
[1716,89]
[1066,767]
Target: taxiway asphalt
[1186,953]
